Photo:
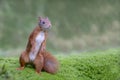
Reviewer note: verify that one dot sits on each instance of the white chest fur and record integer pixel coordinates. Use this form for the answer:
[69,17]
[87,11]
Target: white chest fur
[38,41]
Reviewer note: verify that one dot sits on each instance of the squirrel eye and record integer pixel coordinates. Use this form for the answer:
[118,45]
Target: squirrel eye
[43,22]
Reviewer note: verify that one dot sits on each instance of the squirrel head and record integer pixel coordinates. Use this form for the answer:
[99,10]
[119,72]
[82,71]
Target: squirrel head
[44,23]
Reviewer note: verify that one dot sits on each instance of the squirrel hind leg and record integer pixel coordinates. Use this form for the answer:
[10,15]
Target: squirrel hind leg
[38,62]
[51,67]
[22,61]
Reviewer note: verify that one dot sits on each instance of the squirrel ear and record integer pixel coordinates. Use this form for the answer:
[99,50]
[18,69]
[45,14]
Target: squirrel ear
[46,18]
[40,18]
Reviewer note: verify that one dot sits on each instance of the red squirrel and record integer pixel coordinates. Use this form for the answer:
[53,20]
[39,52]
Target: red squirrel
[35,51]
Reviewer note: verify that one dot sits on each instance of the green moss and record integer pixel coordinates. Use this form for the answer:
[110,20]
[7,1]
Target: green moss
[87,66]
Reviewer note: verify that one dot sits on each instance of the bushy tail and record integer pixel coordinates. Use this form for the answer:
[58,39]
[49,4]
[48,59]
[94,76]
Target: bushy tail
[51,64]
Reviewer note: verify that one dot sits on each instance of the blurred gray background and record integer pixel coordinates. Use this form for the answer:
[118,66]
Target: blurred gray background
[77,25]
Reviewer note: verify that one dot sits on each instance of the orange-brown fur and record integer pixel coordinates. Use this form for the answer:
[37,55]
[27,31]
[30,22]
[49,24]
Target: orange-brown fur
[44,60]
[51,64]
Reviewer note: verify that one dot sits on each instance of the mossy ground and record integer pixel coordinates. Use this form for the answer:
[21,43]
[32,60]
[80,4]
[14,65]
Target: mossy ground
[98,65]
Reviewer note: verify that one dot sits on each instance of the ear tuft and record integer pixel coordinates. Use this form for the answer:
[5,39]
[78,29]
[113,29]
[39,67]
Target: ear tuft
[46,18]
[40,18]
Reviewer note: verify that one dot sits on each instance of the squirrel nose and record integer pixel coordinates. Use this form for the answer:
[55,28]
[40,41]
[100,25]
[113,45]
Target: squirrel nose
[50,25]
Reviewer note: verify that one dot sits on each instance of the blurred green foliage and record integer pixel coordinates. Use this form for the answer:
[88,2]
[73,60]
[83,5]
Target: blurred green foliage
[87,66]
[76,24]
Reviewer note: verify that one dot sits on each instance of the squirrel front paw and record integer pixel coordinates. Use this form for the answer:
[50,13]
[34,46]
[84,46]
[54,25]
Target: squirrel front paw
[20,68]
